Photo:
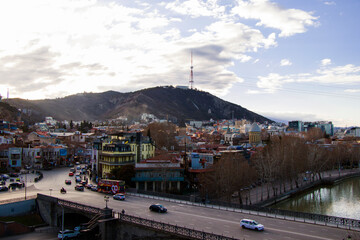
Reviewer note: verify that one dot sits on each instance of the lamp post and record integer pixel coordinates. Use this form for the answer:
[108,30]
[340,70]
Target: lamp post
[106,199]
[25,183]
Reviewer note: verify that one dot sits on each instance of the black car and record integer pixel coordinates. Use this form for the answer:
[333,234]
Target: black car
[79,187]
[16,185]
[158,208]
[3,188]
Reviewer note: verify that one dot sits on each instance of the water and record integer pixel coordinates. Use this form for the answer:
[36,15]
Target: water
[341,200]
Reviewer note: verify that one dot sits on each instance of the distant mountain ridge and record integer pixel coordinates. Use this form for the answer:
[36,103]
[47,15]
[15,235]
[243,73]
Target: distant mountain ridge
[168,102]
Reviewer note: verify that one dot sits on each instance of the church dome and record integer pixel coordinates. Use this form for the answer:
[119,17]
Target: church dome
[255,128]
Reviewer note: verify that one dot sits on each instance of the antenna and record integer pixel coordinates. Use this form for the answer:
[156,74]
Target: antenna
[191,73]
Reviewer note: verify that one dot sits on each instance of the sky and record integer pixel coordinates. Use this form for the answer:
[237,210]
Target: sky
[286,60]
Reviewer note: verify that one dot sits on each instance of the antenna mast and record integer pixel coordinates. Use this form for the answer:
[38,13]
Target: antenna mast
[191,73]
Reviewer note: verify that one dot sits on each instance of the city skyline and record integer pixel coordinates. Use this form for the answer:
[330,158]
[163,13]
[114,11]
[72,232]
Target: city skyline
[286,60]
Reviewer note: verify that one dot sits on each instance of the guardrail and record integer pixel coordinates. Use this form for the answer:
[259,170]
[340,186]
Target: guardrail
[169,228]
[347,223]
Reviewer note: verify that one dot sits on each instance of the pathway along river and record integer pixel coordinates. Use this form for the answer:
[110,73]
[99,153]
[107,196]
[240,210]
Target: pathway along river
[341,200]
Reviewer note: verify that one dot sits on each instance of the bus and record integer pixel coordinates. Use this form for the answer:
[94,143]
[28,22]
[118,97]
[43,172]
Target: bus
[111,186]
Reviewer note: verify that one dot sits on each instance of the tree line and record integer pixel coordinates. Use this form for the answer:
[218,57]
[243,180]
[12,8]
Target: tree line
[283,164]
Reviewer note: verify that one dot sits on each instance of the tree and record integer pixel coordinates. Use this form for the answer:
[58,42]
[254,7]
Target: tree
[163,134]
[124,173]
[230,174]
[314,134]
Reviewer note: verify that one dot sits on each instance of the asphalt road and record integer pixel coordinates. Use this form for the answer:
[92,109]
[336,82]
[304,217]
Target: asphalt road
[197,217]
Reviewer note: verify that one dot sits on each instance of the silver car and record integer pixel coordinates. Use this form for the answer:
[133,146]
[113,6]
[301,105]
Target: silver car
[251,224]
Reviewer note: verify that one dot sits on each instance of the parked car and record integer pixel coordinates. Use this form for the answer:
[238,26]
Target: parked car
[94,188]
[119,196]
[3,188]
[14,185]
[66,234]
[71,174]
[251,224]
[158,208]
[77,179]
[5,176]
[68,182]
[79,187]
[15,175]
[89,186]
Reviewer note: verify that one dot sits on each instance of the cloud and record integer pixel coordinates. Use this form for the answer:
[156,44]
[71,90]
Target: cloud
[120,46]
[285,62]
[325,61]
[288,21]
[329,3]
[340,75]
[352,90]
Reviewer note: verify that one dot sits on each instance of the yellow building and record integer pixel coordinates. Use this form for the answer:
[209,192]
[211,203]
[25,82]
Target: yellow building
[124,149]
[255,134]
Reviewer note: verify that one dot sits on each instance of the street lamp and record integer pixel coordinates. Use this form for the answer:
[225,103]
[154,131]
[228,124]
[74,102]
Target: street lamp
[106,199]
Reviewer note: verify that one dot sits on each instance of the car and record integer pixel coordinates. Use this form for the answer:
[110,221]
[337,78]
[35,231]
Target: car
[66,234]
[77,179]
[15,175]
[251,224]
[5,176]
[158,208]
[89,186]
[14,185]
[79,187]
[119,196]
[94,188]
[68,182]
[3,188]
[73,170]
[83,182]
[71,174]
[77,163]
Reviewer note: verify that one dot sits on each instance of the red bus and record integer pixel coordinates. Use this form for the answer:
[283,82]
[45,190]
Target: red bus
[111,186]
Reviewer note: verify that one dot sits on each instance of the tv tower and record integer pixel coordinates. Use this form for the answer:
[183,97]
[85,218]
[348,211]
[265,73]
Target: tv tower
[191,73]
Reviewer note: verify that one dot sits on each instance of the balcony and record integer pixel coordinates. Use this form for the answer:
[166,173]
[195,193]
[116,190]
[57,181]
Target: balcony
[157,179]
[116,163]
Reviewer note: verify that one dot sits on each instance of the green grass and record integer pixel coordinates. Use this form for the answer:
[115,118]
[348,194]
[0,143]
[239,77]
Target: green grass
[28,220]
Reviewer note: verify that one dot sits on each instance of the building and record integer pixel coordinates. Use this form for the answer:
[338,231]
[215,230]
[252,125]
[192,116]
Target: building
[159,174]
[123,149]
[255,134]
[297,126]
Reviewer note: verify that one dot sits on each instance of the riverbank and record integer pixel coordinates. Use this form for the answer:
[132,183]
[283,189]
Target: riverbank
[258,195]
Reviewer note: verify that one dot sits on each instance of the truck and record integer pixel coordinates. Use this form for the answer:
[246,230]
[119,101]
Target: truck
[111,186]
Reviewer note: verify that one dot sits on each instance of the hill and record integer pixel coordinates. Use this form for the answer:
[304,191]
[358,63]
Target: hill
[168,102]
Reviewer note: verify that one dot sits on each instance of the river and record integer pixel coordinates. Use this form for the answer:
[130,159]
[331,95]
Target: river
[341,200]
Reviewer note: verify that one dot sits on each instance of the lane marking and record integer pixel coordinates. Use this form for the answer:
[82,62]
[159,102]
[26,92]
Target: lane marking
[273,229]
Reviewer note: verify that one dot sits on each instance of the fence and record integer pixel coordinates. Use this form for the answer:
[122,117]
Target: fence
[319,219]
[169,228]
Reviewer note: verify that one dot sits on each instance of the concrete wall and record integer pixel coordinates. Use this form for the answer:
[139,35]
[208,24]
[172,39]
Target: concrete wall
[17,208]
[117,230]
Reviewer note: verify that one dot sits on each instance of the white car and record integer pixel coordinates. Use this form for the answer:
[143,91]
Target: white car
[68,234]
[251,224]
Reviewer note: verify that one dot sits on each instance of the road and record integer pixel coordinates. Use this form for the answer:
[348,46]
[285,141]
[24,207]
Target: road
[182,214]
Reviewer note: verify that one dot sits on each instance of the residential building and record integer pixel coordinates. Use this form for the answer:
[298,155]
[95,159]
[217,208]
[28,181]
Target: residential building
[123,149]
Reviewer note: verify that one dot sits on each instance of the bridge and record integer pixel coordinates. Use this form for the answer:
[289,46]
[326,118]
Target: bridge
[112,224]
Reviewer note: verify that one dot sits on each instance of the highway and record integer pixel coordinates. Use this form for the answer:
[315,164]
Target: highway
[196,217]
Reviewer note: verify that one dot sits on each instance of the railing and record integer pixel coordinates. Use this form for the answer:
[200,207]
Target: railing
[169,228]
[70,204]
[319,219]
